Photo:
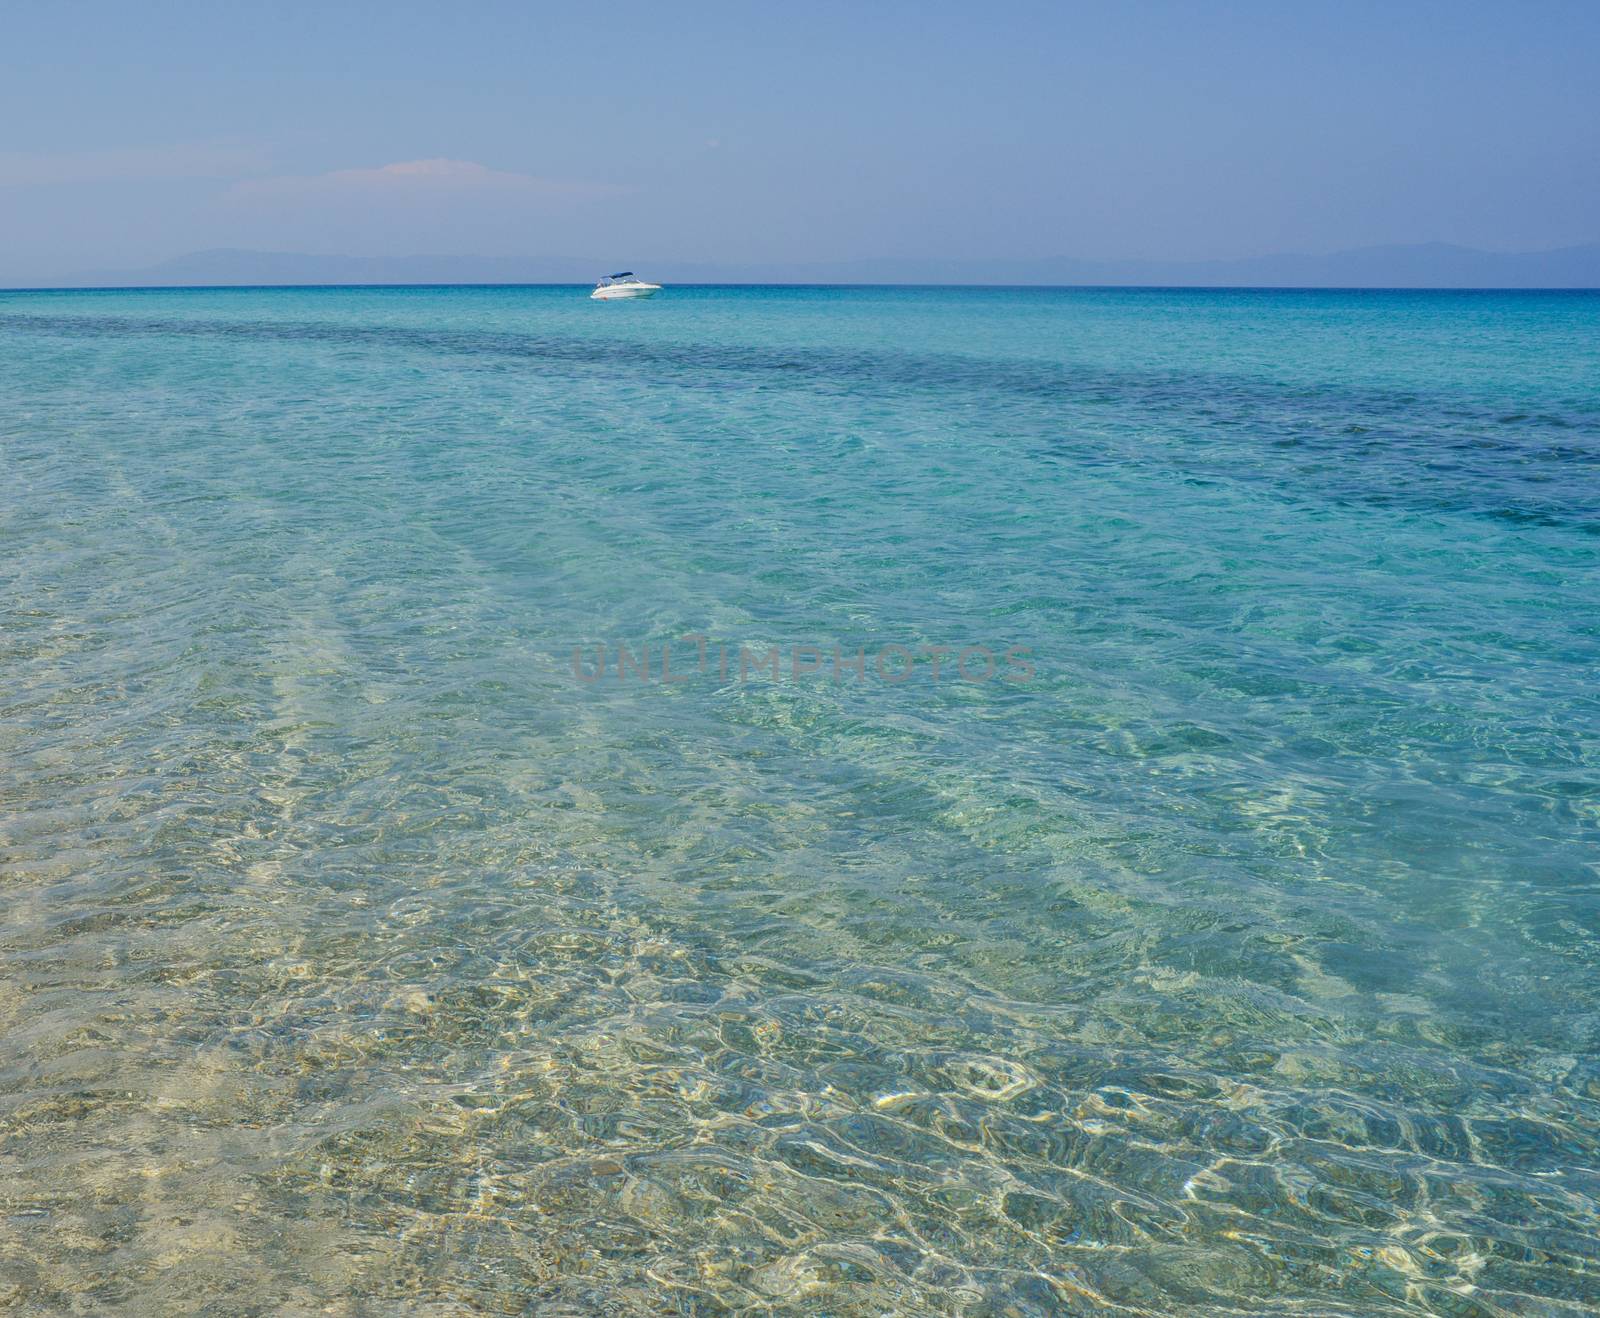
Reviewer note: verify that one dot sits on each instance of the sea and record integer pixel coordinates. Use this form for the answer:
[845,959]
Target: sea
[800,801]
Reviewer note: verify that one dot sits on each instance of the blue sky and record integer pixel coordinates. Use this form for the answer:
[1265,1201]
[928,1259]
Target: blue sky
[793,132]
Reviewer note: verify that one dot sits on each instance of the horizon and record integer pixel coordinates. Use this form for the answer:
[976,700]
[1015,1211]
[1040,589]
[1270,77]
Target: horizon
[986,288]
[1123,135]
[1418,267]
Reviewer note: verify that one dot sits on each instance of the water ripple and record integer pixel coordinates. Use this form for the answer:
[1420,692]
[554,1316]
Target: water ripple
[356,958]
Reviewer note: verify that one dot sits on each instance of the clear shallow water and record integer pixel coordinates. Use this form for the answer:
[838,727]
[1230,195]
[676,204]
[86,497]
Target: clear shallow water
[355,957]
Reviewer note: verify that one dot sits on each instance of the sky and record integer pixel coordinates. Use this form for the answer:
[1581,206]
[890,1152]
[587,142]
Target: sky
[816,131]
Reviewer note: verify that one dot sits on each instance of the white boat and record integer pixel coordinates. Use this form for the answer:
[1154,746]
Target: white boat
[626,284]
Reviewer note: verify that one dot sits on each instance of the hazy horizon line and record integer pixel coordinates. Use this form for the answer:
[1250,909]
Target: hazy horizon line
[1399,266]
[779,283]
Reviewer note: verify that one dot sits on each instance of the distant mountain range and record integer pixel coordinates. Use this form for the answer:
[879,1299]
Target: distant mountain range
[1422,265]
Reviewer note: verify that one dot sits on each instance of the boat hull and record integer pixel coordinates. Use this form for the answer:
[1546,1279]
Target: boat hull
[616,292]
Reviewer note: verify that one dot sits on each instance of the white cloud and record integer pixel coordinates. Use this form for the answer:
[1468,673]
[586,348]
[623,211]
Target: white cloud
[189,160]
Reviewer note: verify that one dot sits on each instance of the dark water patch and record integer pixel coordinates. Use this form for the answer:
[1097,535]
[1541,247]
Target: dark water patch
[1276,434]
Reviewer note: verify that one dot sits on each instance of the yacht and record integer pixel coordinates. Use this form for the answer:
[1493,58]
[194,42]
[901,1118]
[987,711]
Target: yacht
[626,284]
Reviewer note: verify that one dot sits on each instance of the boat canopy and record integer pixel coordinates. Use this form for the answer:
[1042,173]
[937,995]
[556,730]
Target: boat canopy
[626,274]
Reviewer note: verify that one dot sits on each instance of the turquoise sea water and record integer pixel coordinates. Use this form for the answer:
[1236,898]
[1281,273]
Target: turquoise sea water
[358,957]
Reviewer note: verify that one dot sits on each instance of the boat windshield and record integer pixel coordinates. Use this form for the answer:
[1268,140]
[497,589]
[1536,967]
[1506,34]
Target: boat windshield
[616,279]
